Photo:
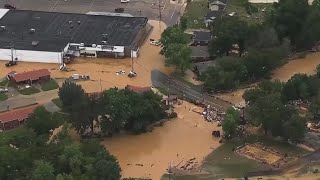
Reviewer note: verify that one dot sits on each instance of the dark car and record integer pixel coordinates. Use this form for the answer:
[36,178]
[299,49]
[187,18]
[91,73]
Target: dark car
[119,10]
[8,6]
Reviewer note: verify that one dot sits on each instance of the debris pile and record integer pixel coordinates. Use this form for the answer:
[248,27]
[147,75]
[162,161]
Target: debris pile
[189,165]
[213,114]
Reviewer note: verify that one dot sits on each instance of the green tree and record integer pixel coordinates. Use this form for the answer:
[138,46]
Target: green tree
[318,70]
[299,86]
[267,112]
[70,94]
[288,18]
[172,35]
[183,23]
[229,31]
[295,128]
[231,122]
[178,55]
[41,121]
[43,170]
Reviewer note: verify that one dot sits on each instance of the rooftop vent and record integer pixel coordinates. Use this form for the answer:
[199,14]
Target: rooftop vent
[94,45]
[71,26]
[82,44]
[104,36]
[32,31]
[104,42]
[3,28]
[35,43]
[70,22]
[79,22]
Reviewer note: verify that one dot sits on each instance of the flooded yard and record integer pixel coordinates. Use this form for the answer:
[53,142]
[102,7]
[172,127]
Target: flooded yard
[149,155]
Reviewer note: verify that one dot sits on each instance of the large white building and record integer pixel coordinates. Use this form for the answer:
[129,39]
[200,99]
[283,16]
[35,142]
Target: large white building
[47,37]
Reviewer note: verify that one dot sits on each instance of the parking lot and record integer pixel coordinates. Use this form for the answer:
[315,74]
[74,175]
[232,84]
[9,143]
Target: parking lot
[149,8]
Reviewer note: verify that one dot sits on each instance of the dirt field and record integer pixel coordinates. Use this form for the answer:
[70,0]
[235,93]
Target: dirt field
[179,140]
[256,153]
[105,69]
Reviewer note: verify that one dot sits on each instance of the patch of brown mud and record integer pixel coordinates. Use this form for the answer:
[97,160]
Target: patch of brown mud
[150,154]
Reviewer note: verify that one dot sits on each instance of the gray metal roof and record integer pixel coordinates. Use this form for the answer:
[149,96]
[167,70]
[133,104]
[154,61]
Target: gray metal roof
[54,31]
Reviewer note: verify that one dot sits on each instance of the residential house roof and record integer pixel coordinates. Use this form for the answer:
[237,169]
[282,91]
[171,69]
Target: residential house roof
[199,51]
[17,114]
[30,75]
[218,2]
[211,15]
[201,36]
[203,66]
[138,89]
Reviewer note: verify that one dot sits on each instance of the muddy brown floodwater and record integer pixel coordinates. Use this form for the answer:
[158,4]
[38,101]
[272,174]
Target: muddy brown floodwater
[188,136]
[304,65]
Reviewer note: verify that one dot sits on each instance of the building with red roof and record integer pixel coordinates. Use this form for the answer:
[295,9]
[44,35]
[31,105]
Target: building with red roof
[39,75]
[14,118]
[138,89]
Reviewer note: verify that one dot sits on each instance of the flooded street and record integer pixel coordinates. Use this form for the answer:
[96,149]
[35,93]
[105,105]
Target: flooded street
[183,138]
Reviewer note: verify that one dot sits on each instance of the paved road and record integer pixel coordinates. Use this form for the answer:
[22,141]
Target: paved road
[43,98]
[148,8]
[184,91]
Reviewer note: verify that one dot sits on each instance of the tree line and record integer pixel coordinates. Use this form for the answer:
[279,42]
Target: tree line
[290,26]
[110,111]
[270,106]
[27,154]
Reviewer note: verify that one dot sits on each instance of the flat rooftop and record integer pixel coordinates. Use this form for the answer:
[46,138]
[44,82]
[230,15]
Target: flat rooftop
[54,30]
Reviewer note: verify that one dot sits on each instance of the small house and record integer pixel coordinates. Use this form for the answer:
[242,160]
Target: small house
[211,16]
[14,118]
[34,76]
[201,38]
[171,99]
[217,5]
[199,53]
[202,67]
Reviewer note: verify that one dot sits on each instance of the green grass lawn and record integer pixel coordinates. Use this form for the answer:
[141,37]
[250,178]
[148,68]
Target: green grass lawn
[196,10]
[49,85]
[224,163]
[3,97]
[3,82]
[256,17]
[57,102]
[29,91]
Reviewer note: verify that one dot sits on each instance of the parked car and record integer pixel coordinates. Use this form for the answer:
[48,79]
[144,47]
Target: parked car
[119,10]
[2,90]
[11,63]
[154,42]
[124,1]
[8,6]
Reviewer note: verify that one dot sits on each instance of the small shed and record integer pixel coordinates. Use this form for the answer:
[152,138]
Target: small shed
[171,99]
[199,53]
[202,67]
[211,16]
[217,5]
[201,38]
[40,75]
[14,118]
[138,89]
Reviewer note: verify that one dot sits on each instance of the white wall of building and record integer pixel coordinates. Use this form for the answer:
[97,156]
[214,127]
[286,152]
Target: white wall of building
[3,12]
[31,56]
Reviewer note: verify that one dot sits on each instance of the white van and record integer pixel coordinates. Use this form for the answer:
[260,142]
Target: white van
[124,1]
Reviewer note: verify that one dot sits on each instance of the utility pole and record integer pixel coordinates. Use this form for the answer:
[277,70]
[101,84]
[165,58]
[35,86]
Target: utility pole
[160,13]
[100,86]
[132,60]
[12,54]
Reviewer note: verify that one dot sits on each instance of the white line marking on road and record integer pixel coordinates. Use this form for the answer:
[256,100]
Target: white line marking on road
[91,4]
[175,7]
[54,6]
